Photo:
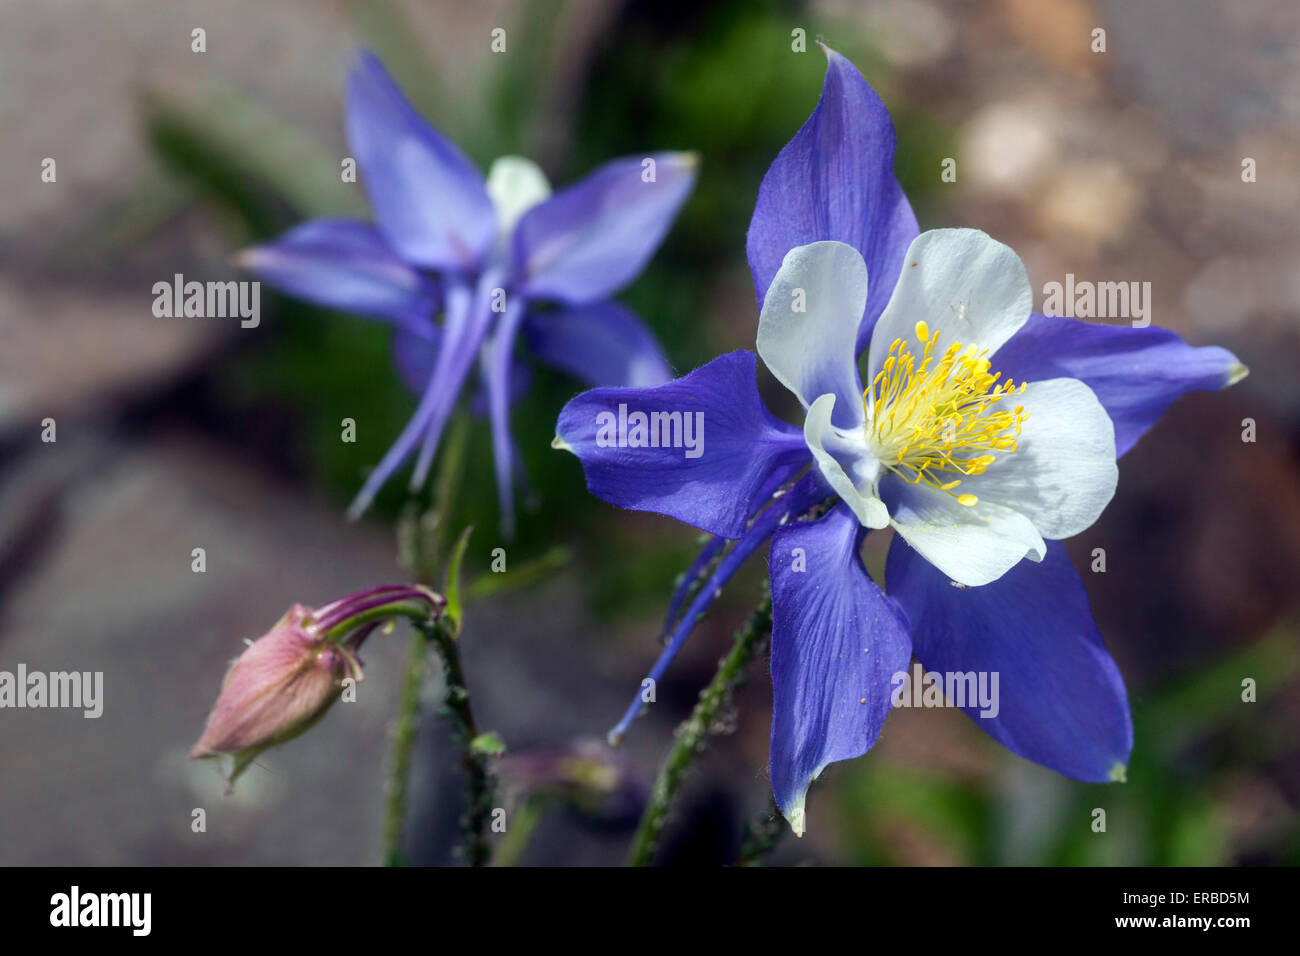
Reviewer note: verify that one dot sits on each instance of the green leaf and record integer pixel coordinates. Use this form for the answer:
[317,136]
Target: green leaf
[525,575]
[489,744]
[451,589]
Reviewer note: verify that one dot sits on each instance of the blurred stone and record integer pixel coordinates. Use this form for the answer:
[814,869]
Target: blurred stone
[1091,203]
[1206,70]
[1010,146]
[115,593]
[1060,32]
[75,350]
[908,33]
[1231,290]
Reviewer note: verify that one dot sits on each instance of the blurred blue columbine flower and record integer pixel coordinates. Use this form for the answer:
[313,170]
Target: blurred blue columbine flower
[986,434]
[485,254]
[584,774]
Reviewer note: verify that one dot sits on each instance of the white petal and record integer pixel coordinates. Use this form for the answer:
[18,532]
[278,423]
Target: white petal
[972,545]
[1064,472]
[829,445]
[516,185]
[811,352]
[966,286]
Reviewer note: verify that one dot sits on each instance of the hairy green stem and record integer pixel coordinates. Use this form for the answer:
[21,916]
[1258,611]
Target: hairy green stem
[480,785]
[748,643]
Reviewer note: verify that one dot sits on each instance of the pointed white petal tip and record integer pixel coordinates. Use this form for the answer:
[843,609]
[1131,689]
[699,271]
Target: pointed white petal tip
[560,444]
[1119,773]
[796,818]
[1236,373]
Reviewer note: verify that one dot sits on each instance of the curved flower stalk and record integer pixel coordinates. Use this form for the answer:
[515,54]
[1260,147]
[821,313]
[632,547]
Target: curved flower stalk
[981,433]
[485,254]
[289,677]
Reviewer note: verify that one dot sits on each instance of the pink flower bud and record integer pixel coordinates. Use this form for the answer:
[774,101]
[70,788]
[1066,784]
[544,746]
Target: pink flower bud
[281,685]
[290,676]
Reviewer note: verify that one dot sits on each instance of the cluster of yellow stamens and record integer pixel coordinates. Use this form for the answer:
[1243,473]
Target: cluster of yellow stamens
[942,419]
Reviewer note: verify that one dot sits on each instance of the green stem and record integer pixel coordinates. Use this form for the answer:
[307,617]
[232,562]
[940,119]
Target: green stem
[403,744]
[405,608]
[421,538]
[511,847]
[749,641]
[479,782]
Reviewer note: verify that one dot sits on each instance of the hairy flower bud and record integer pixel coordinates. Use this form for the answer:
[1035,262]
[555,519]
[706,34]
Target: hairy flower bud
[287,679]
[281,685]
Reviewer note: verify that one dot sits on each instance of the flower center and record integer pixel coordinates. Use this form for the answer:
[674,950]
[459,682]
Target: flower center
[941,421]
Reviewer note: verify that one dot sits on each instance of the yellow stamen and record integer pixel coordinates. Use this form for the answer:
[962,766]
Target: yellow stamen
[939,421]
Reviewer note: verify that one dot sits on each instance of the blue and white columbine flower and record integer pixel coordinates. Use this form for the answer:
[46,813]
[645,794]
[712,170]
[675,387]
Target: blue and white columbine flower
[984,434]
[484,253]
